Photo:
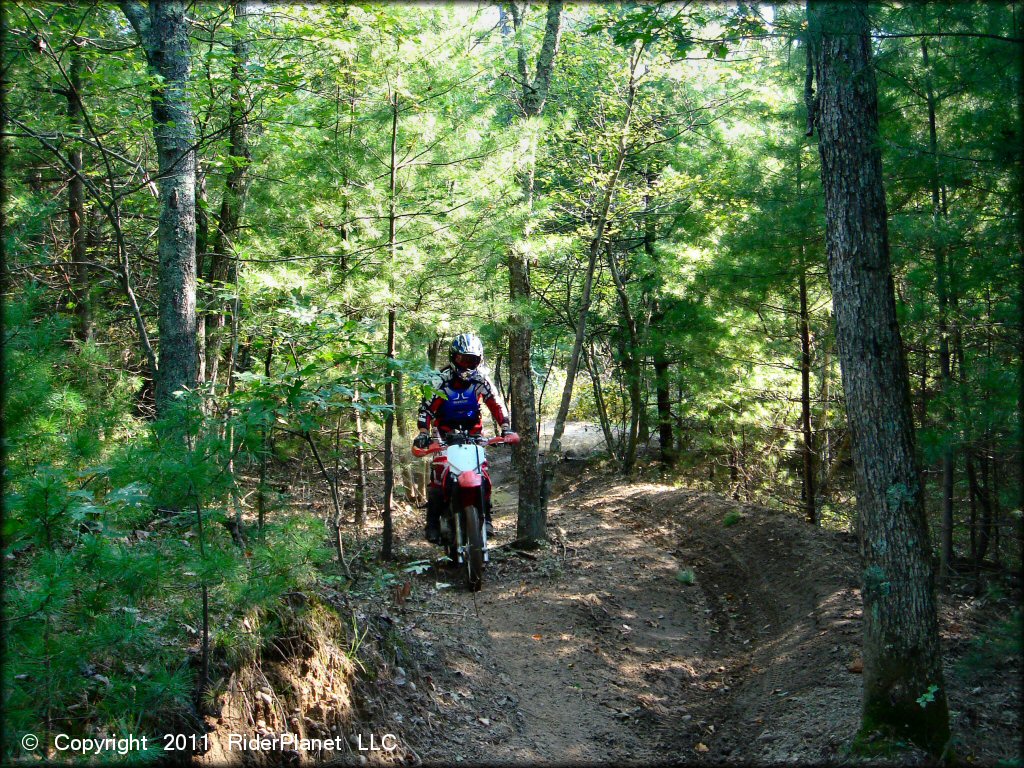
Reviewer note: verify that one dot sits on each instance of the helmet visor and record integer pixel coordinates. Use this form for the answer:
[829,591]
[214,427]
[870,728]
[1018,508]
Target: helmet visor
[466,361]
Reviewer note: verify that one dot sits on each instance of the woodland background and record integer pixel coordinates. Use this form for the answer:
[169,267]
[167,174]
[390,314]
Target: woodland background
[363,176]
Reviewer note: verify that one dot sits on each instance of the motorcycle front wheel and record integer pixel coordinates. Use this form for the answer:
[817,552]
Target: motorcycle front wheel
[474,549]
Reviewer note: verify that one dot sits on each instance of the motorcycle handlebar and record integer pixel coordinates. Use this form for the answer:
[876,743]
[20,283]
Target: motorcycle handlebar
[437,446]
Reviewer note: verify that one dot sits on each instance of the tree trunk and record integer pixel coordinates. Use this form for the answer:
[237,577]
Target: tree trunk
[595,248]
[77,227]
[631,361]
[805,375]
[236,187]
[407,469]
[902,658]
[948,459]
[361,478]
[265,448]
[823,436]
[602,411]
[389,384]
[805,399]
[531,522]
[665,438]
[163,31]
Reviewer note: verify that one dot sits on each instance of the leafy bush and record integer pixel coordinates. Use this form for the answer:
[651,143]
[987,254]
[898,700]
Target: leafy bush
[996,647]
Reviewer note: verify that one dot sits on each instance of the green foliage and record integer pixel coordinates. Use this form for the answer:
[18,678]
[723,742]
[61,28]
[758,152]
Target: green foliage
[686,576]
[715,218]
[731,518]
[928,697]
[996,647]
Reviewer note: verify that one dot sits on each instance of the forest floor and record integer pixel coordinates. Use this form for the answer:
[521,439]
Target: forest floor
[599,650]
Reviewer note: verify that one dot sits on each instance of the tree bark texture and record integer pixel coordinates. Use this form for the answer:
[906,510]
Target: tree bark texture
[163,31]
[531,523]
[901,645]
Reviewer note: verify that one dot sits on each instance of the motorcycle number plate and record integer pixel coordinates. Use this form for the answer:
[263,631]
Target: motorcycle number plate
[465,458]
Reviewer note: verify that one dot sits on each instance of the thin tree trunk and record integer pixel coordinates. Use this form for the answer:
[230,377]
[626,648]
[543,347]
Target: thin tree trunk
[805,398]
[361,478]
[261,488]
[163,31]
[544,383]
[595,248]
[332,485]
[77,227]
[236,186]
[631,360]
[602,411]
[805,372]
[389,385]
[408,471]
[665,438]
[948,459]
[202,248]
[902,659]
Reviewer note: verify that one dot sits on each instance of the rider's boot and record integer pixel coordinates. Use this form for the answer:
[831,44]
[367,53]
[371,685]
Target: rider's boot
[488,527]
[432,532]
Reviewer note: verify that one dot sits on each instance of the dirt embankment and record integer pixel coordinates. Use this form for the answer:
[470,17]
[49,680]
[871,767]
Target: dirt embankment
[600,650]
[662,625]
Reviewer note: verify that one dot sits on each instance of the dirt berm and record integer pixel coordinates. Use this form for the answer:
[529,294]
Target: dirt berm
[662,625]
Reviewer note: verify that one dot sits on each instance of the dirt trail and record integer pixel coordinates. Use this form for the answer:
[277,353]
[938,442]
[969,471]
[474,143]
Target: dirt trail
[598,651]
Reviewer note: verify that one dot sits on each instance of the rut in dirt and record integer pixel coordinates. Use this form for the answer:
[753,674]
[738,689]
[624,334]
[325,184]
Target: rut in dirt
[599,649]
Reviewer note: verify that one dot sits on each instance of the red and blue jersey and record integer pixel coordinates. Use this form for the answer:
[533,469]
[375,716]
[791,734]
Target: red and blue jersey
[458,403]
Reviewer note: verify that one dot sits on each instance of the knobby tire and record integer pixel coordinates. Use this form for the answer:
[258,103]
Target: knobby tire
[475,550]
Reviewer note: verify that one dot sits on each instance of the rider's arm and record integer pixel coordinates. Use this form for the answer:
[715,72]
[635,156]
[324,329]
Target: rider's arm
[492,399]
[428,413]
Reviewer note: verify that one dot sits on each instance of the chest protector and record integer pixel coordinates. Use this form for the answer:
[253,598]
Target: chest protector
[461,409]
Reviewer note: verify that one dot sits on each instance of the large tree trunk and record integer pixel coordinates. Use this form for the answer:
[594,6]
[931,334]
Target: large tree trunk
[163,31]
[531,523]
[902,658]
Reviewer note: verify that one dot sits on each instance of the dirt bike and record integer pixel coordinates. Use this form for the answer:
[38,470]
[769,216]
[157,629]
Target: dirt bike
[464,475]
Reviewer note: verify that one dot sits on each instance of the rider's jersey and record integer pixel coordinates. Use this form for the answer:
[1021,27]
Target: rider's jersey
[457,403]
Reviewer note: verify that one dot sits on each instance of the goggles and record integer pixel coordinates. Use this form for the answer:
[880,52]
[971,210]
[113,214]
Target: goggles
[466,361]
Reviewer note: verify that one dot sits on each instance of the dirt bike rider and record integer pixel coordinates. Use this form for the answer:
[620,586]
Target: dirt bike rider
[456,404]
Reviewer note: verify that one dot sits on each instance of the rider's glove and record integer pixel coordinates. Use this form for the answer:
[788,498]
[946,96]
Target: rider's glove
[506,431]
[422,440]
